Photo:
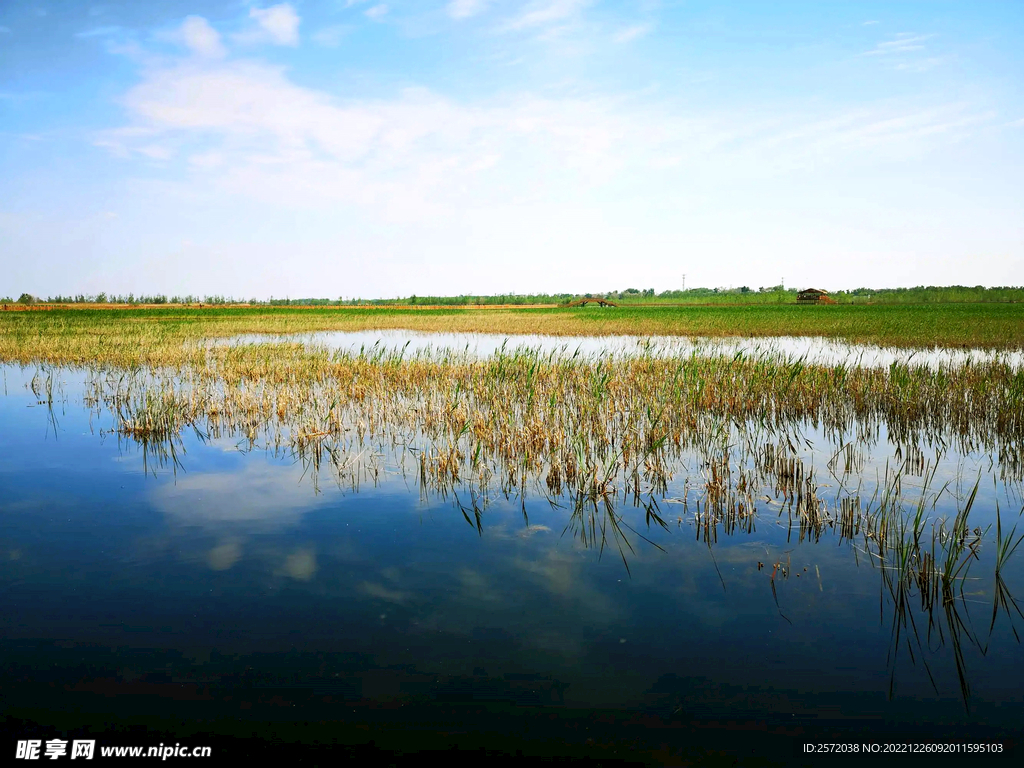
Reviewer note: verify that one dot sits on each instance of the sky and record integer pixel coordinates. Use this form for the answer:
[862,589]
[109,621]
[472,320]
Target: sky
[354,148]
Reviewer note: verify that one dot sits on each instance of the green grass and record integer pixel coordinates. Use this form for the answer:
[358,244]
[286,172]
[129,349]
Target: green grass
[983,325]
[992,326]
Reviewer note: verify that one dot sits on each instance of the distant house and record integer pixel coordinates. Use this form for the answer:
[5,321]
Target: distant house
[813,296]
[592,299]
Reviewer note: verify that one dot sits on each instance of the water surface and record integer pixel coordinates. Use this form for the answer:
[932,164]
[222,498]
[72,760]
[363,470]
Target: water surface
[233,584]
[810,349]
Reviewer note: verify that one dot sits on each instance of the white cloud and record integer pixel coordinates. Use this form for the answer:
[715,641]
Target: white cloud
[270,138]
[201,38]
[463,9]
[869,23]
[5,30]
[300,565]
[224,555]
[377,12]
[632,32]
[251,499]
[515,175]
[280,22]
[543,12]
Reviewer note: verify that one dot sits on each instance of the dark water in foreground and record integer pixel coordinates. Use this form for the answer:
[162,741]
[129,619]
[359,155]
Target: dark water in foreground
[231,601]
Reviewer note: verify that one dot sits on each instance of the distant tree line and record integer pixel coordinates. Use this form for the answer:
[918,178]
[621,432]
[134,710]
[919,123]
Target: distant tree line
[132,299]
[159,298]
[775,294]
[782,295]
[472,299]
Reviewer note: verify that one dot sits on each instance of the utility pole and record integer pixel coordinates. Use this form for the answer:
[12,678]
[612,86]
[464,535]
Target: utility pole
[684,281]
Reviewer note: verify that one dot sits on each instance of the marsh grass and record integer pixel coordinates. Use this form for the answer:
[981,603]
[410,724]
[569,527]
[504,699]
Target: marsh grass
[599,432]
[147,335]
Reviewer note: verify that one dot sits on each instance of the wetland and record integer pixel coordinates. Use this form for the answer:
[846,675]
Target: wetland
[628,546]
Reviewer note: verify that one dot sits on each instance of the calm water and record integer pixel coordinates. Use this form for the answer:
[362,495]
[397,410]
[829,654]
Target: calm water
[813,350]
[229,588]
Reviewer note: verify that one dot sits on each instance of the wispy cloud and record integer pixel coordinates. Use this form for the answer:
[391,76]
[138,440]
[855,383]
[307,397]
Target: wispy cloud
[905,52]
[878,133]
[543,12]
[561,156]
[377,12]
[120,41]
[262,135]
[463,9]
[99,32]
[633,32]
[5,30]
[903,42]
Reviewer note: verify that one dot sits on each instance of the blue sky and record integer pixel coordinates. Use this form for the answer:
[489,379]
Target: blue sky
[359,148]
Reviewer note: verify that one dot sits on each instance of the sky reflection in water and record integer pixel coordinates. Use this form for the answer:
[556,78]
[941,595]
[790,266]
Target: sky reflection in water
[813,350]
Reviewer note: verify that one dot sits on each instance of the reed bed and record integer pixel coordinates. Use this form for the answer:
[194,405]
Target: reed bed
[592,429]
[563,418]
